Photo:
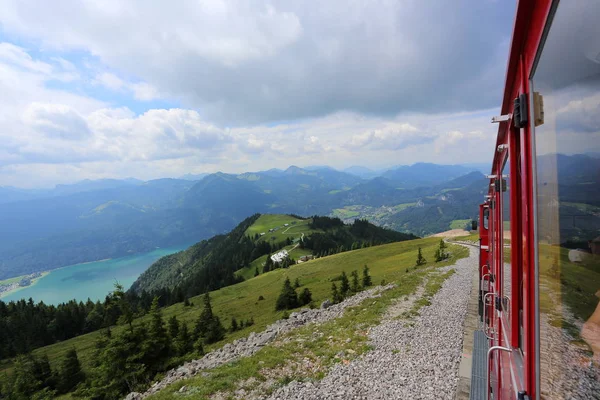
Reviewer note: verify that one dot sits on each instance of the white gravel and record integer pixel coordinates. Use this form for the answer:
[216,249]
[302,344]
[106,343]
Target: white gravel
[409,361]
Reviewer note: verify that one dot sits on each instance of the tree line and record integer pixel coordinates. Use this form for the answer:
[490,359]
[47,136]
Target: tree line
[121,362]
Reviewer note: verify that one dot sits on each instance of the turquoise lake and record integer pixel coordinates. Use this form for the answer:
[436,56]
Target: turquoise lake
[92,280]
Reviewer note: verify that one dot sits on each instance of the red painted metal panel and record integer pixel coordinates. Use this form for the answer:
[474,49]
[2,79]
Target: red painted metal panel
[529,23]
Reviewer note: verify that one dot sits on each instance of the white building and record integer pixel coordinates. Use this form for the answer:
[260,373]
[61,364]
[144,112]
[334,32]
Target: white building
[280,256]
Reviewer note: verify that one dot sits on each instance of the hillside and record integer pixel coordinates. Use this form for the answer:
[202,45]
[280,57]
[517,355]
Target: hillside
[212,264]
[92,220]
[392,263]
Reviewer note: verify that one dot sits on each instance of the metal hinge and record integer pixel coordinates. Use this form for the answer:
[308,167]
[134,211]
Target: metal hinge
[501,118]
[520,111]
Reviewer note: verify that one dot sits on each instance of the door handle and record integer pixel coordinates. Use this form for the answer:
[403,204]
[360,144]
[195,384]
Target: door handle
[489,357]
[485,328]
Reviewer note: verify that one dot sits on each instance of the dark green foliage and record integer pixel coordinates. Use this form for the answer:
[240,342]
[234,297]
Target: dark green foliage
[288,298]
[305,297]
[420,259]
[339,237]
[173,327]
[297,283]
[199,346]
[344,285]
[156,348]
[186,302]
[256,273]
[336,297]
[208,326]
[366,280]
[29,376]
[70,373]
[183,342]
[260,298]
[268,264]
[440,254]
[120,366]
[234,325]
[207,265]
[355,285]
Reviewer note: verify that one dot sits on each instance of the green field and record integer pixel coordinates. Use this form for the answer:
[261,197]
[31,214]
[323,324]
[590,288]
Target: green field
[387,262]
[346,212]
[403,206]
[473,237]
[12,280]
[459,223]
[296,227]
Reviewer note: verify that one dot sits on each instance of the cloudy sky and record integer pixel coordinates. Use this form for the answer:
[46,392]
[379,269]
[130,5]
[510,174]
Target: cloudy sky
[148,89]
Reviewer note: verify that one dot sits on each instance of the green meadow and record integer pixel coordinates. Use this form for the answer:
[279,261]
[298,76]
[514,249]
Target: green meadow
[387,263]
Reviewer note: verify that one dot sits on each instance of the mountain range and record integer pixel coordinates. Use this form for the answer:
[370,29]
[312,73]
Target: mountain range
[92,220]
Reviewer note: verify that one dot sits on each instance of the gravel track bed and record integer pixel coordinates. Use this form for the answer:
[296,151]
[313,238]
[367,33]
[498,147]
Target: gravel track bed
[417,360]
[247,346]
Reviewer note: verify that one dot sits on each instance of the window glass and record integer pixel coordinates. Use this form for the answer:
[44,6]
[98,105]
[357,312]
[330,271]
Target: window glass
[486,216]
[567,147]
[506,275]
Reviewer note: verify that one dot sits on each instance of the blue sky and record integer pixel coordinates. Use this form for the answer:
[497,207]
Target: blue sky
[151,89]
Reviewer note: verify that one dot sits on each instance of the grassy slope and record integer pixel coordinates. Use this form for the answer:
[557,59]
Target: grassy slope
[271,221]
[459,223]
[320,345]
[387,262]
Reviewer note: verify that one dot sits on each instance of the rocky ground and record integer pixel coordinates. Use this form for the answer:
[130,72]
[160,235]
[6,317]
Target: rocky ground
[416,360]
[412,357]
[255,341]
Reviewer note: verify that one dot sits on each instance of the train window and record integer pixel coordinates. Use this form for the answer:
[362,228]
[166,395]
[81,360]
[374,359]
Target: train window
[567,150]
[506,273]
[486,217]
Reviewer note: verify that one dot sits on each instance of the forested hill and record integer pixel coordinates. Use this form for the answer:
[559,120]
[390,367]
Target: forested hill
[211,264]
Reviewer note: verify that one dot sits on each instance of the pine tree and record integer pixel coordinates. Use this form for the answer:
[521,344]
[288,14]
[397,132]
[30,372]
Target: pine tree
[288,298]
[183,342]
[305,297]
[215,331]
[344,285]
[120,367]
[199,346]
[297,283]
[208,327]
[125,308]
[173,327]
[156,347]
[366,280]
[442,244]
[256,272]
[268,264]
[186,302]
[70,374]
[438,255]
[335,294]
[420,259]
[355,282]
[234,325]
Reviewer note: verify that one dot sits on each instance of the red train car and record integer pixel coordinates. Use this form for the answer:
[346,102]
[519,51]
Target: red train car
[540,221]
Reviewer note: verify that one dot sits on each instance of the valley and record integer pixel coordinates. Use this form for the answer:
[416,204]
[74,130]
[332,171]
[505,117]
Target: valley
[95,220]
[387,263]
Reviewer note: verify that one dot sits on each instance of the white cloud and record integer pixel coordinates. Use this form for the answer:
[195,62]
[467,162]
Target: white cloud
[251,61]
[56,121]
[141,91]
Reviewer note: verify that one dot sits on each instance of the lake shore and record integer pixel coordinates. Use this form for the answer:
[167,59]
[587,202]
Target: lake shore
[11,285]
